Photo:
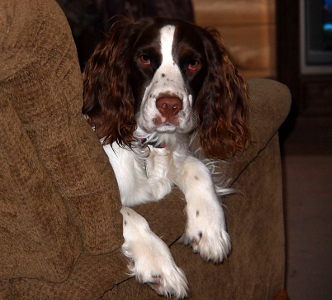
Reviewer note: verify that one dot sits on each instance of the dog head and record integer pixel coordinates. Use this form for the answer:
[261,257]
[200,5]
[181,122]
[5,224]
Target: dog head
[166,75]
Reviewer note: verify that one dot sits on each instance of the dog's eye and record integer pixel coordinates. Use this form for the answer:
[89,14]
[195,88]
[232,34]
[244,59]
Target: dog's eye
[193,65]
[144,60]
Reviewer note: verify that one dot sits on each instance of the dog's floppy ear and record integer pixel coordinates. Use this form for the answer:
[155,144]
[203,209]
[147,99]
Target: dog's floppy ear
[222,105]
[108,98]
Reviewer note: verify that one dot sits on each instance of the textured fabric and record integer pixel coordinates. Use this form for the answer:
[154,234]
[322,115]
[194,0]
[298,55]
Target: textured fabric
[91,276]
[41,81]
[60,226]
[38,238]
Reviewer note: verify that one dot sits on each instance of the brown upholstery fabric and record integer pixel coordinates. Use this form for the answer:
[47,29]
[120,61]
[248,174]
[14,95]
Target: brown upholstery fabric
[41,82]
[38,238]
[60,226]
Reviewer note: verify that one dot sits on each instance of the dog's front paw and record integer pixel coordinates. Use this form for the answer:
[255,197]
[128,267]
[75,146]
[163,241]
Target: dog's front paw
[206,232]
[150,259]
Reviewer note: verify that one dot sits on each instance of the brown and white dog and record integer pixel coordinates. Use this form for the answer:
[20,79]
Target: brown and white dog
[148,86]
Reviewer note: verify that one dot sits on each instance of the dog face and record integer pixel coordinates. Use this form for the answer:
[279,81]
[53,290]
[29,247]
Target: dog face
[166,75]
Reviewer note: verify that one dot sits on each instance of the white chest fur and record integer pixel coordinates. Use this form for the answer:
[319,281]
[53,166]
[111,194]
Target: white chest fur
[144,177]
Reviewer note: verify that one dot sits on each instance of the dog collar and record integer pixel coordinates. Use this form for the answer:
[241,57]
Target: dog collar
[153,144]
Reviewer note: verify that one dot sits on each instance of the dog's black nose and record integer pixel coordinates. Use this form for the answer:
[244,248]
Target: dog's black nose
[169,106]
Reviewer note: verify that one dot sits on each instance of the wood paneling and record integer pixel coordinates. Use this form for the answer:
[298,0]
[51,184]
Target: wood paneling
[248,30]
[235,12]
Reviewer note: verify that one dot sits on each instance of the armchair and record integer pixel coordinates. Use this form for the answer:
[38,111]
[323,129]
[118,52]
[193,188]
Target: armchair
[60,225]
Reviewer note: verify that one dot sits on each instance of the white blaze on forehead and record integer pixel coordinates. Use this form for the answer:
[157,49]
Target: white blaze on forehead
[166,80]
[168,75]
[166,39]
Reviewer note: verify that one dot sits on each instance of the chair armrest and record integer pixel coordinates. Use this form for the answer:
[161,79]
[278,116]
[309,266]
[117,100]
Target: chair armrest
[270,103]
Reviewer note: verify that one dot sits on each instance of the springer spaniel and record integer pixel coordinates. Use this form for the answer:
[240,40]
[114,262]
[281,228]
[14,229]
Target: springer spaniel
[148,86]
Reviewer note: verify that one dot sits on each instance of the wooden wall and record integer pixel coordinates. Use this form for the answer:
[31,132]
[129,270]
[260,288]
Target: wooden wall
[248,29]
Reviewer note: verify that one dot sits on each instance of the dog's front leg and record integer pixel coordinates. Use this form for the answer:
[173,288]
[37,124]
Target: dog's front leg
[206,226]
[151,261]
